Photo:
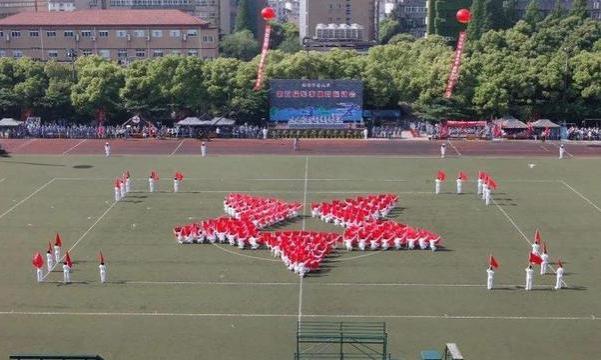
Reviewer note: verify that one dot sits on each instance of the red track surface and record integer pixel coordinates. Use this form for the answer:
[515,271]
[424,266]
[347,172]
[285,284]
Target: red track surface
[284,147]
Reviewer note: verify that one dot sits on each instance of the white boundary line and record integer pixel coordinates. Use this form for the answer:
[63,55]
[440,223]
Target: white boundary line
[27,198]
[81,238]
[581,196]
[455,148]
[73,147]
[2,180]
[592,317]
[177,148]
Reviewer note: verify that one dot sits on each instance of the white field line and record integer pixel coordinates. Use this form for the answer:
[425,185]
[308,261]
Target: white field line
[454,148]
[2,180]
[73,147]
[177,148]
[338,284]
[27,198]
[581,196]
[300,286]
[592,317]
[81,237]
[544,148]
[25,144]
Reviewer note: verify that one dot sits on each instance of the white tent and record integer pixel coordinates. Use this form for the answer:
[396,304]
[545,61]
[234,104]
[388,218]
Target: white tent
[10,122]
[191,121]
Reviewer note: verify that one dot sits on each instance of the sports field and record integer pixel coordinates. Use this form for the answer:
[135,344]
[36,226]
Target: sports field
[170,301]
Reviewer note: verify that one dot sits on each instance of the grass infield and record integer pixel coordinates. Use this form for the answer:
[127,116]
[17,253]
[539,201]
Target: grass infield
[216,302]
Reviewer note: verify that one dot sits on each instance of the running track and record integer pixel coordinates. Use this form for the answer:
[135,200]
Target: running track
[174,147]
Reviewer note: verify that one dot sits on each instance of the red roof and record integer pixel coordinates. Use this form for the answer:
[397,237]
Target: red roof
[103,18]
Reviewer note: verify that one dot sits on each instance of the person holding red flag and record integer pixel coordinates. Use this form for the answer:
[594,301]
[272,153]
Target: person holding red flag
[559,276]
[127,181]
[536,243]
[490,272]
[545,260]
[38,264]
[177,179]
[117,189]
[460,179]
[58,243]
[440,177]
[480,182]
[102,268]
[529,277]
[152,179]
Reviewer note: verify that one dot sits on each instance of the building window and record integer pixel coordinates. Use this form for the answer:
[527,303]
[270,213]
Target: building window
[157,33]
[69,33]
[176,52]
[208,38]
[15,34]
[192,32]
[140,53]
[157,53]
[17,54]
[105,53]
[2,53]
[121,33]
[51,33]
[138,33]
[86,33]
[122,53]
[192,52]
[53,54]
[1,33]
[175,33]
[86,52]
[103,33]
[34,33]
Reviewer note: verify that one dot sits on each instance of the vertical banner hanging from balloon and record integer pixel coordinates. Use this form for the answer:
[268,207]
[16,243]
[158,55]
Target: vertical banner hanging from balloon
[264,51]
[268,14]
[456,68]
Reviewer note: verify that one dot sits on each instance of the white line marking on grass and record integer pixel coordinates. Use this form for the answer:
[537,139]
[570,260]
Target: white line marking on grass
[27,198]
[591,317]
[24,144]
[82,237]
[454,148]
[512,222]
[581,196]
[544,148]
[2,180]
[244,255]
[73,147]
[177,148]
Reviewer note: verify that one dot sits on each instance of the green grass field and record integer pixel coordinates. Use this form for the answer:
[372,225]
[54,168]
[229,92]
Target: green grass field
[168,301]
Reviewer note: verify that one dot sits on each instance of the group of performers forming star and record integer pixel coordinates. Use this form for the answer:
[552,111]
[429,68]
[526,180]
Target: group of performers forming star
[304,251]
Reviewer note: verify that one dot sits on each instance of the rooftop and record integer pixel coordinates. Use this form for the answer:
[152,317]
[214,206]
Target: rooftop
[103,18]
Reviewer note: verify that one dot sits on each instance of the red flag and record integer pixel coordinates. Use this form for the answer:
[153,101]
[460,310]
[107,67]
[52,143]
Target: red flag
[462,176]
[492,184]
[535,259]
[68,259]
[57,241]
[537,237]
[481,175]
[37,261]
[154,175]
[101,257]
[441,175]
[179,176]
[492,262]
[117,182]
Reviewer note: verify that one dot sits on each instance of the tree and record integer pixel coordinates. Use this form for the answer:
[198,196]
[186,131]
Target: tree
[57,96]
[30,85]
[388,28]
[480,19]
[496,15]
[285,37]
[97,89]
[579,9]
[240,45]
[558,10]
[8,100]
[431,17]
[510,15]
[445,22]
[533,14]
[246,18]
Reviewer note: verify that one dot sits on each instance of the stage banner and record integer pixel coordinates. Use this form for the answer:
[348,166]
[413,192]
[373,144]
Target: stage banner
[316,101]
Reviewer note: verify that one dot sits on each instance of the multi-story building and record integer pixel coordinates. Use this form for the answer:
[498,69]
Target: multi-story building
[122,35]
[11,7]
[413,15]
[337,22]
[546,6]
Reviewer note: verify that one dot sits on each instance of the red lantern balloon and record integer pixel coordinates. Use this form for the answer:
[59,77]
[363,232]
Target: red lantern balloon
[268,13]
[464,16]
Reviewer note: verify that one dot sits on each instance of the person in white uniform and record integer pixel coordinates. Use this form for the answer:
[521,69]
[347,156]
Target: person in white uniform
[545,263]
[103,274]
[49,260]
[529,277]
[117,191]
[559,276]
[265,132]
[203,149]
[443,150]
[459,185]
[151,183]
[107,149]
[562,150]
[490,278]
[175,184]
[437,183]
[66,273]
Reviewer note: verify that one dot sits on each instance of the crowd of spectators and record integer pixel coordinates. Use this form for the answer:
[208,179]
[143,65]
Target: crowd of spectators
[585,133]
[389,132]
[247,132]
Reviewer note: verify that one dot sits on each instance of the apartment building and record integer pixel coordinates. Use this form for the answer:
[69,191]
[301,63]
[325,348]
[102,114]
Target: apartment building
[122,35]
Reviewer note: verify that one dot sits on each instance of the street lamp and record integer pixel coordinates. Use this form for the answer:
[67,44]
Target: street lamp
[72,55]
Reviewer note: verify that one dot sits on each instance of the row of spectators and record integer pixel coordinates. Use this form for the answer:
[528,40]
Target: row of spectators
[589,133]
